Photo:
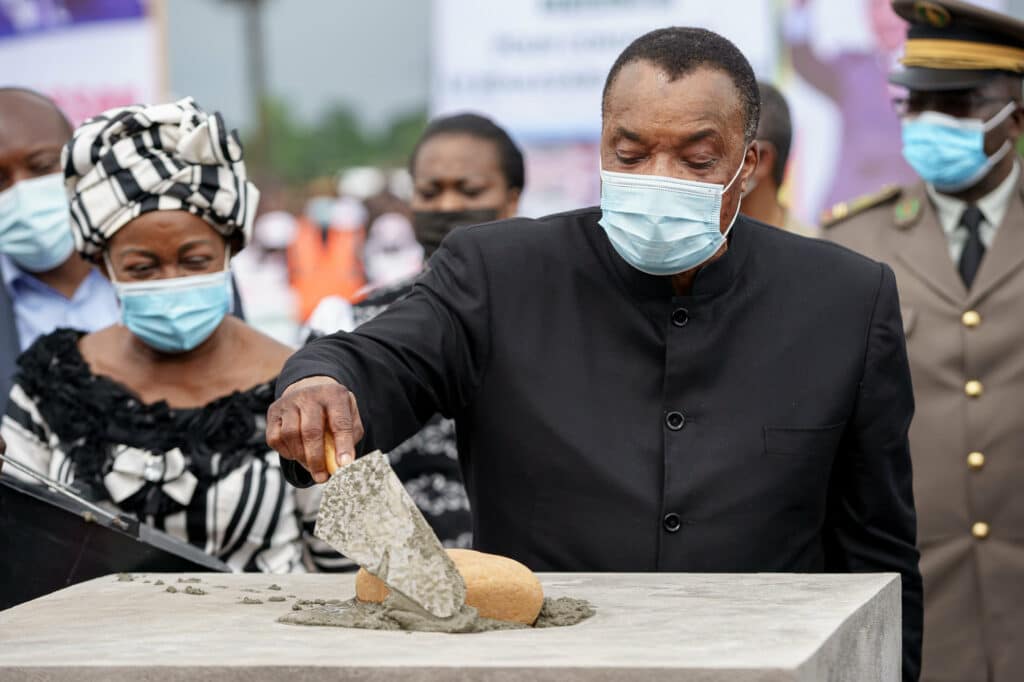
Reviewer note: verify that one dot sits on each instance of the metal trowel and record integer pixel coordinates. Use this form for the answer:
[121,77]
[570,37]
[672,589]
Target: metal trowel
[367,515]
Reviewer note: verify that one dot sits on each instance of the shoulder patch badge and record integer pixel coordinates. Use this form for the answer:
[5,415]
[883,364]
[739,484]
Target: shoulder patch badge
[906,211]
[848,209]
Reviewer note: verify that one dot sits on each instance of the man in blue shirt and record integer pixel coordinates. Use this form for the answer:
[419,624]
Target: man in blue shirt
[44,284]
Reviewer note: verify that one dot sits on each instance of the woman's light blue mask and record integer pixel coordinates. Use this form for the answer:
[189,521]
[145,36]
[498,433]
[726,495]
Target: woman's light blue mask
[660,225]
[35,224]
[949,152]
[177,314]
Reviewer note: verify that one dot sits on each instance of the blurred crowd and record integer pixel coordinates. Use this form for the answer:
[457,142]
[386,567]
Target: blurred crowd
[339,242]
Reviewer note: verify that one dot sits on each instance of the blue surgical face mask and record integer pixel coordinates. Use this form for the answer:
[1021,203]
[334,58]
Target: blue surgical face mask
[35,224]
[663,226]
[949,152]
[177,314]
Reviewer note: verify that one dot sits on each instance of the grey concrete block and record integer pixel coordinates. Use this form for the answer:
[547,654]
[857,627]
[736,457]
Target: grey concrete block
[657,627]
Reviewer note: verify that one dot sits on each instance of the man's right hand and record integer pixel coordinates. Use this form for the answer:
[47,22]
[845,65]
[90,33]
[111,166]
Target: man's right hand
[298,421]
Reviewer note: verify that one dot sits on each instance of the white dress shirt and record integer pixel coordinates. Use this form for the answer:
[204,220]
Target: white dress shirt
[992,206]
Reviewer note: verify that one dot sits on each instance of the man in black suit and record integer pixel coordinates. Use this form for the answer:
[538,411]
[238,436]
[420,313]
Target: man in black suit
[657,384]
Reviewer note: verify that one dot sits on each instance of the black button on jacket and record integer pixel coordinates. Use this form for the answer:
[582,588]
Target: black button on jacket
[772,426]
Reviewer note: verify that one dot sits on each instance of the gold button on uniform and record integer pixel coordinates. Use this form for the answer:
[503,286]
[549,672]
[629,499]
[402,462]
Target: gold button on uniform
[980,530]
[973,388]
[975,460]
[971,319]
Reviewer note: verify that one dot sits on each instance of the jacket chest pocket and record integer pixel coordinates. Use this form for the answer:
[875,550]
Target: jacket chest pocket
[819,442]
[797,465]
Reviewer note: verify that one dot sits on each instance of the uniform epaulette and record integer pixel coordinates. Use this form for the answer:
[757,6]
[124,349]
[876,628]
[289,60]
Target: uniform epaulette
[848,209]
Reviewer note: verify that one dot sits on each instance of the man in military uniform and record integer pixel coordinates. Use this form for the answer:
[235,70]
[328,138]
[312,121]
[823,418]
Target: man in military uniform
[956,243]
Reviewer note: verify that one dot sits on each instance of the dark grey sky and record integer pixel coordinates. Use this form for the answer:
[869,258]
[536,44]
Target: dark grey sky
[370,54]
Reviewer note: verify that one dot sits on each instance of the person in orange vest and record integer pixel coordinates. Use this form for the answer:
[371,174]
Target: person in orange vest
[324,260]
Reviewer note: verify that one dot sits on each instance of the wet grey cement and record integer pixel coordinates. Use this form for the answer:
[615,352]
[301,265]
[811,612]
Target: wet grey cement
[398,613]
[689,627]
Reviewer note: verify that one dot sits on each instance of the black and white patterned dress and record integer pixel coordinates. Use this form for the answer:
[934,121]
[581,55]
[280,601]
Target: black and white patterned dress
[204,475]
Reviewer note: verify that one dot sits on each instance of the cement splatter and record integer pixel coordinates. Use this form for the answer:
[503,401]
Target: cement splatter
[194,590]
[563,611]
[397,613]
[250,600]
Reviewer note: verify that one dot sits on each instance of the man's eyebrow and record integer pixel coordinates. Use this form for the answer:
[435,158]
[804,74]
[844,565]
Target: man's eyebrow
[628,134]
[701,134]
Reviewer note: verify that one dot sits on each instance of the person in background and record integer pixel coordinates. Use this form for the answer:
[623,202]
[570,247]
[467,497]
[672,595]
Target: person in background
[392,254]
[324,260]
[774,137]
[44,284]
[955,240]
[261,271]
[465,169]
[162,416]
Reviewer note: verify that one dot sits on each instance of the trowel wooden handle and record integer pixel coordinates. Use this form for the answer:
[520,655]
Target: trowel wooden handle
[330,455]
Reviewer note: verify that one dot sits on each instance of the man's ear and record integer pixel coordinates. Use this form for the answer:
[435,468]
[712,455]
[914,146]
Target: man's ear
[768,154]
[1015,123]
[752,157]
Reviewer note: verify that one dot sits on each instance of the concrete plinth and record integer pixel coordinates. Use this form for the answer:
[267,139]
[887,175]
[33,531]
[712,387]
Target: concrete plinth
[742,628]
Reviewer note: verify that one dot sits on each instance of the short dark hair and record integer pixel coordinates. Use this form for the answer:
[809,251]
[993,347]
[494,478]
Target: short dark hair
[46,100]
[510,157]
[679,51]
[776,127]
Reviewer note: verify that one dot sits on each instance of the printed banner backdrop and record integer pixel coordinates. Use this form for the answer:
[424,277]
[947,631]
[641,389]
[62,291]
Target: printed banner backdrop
[537,67]
[89,55]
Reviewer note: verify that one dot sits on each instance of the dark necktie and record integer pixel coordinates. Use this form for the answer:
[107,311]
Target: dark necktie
[974,250]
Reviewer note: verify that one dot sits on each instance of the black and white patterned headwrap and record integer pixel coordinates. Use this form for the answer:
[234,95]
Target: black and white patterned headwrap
[167,157]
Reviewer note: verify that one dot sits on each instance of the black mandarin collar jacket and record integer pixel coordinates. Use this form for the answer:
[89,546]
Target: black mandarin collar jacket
[605,424]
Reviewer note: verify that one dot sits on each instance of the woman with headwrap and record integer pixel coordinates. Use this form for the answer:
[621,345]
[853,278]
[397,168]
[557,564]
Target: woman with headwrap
[163,415]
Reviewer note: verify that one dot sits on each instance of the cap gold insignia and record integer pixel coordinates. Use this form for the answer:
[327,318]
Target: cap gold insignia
[932,13]
[906,211]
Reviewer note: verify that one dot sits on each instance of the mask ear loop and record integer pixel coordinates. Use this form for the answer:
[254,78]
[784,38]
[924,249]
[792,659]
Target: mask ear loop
[1004,149]
[1000,116]
[230,282]
[110,268]
[737,173]
[739,203]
